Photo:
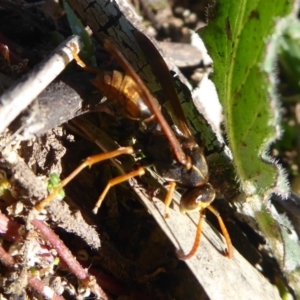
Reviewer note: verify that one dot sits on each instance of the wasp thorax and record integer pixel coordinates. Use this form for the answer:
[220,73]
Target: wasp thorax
[197,198]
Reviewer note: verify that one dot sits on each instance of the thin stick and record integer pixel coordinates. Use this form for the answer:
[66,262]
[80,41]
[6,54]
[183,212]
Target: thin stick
[19,96]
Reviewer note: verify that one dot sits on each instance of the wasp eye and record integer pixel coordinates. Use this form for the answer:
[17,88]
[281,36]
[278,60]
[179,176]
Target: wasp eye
[197,199]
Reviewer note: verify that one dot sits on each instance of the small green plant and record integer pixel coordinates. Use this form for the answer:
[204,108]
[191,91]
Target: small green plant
[54,182]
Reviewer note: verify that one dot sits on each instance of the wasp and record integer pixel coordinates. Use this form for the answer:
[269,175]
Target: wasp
[176,156]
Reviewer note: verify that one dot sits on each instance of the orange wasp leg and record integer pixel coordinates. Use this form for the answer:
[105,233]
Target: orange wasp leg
[169,197]
[114,181]
[88,162]
[81,63]
[197,238]
[225,233]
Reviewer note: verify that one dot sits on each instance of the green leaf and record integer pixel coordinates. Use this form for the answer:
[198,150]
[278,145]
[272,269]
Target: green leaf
[281,236]
[294,281]
[77,28]
[243,39]
[237,40]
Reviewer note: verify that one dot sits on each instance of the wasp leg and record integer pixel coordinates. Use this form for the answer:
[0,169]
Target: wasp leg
[87,163]
[169,197]
[225,233]
[197,238]
[139,172]
[81,63]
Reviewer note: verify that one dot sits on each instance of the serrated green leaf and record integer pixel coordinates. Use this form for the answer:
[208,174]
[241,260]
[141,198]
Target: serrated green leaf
[243,40]
[237,41]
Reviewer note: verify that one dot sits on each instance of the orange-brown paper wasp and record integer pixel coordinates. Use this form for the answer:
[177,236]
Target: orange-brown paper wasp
[180,160]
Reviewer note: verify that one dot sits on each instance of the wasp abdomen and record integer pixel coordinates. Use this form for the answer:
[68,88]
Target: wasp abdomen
[122,90]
